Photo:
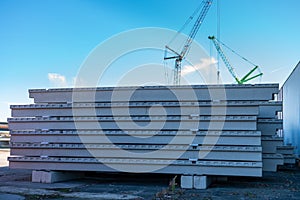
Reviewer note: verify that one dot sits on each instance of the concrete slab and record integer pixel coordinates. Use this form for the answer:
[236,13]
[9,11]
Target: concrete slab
[272,161]
[245,138]
[204,123]
[288,150]
[289,159]
[221,168]
[137,109]
[230,153]
[269,110]
[270,144]
[269,127]
[246,92]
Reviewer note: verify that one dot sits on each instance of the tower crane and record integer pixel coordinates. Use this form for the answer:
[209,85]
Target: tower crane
[178,57]
[230,68]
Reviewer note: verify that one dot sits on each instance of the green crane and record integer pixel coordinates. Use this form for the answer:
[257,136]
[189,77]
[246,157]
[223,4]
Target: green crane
[248,76]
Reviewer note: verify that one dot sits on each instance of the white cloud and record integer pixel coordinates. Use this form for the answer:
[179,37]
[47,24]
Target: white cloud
[57,80]
[203,65]
[277,69]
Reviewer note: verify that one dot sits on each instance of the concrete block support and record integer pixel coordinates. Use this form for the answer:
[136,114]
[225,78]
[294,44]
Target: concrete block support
[202,182]
[187,181]
[36,176]
[39,176]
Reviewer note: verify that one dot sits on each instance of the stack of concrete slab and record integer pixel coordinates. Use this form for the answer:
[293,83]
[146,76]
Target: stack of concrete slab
[4,135]
[274,150]
[269,122]
[196,131]
[288,153]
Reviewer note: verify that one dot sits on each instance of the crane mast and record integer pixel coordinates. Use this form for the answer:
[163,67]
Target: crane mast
[230,68]
[187,45]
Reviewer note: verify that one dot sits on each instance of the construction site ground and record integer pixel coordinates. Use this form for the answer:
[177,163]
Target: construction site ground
[16,184]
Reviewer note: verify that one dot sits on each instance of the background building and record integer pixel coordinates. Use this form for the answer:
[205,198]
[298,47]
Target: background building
[290,94]
[4,135]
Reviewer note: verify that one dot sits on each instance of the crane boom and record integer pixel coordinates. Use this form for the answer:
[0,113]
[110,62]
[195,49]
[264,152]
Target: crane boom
[196,27]
[187,45]
[230,67]
[224,58]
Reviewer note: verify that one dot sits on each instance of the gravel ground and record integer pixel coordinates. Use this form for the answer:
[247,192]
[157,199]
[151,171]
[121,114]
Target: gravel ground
[16,184]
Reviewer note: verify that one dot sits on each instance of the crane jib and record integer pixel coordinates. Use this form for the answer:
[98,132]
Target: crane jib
[220,51]
[187,45]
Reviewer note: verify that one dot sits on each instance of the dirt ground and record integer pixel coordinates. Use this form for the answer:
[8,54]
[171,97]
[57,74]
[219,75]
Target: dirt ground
[16,185]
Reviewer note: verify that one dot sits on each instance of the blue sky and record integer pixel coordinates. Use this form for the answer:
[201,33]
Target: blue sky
[44,43]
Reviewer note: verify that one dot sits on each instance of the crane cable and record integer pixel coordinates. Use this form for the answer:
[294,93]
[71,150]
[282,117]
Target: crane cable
[219,36]
[166,67]
[187,22]
[233,51]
